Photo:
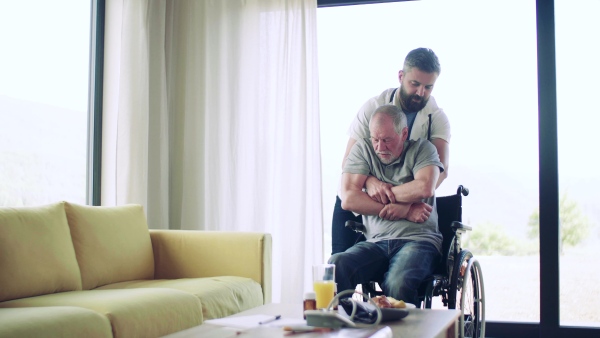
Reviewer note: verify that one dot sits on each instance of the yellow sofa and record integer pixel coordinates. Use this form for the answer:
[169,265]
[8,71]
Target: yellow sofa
[69,270]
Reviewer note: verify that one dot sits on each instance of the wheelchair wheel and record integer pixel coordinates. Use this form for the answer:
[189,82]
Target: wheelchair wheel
[467,294]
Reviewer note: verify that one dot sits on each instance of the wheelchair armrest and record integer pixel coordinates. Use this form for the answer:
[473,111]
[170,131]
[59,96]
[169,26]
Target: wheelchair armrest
[458,226]
[358,227]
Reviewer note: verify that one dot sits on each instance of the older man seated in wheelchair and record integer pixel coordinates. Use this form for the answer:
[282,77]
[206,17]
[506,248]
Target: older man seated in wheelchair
[413,252]
[403,241]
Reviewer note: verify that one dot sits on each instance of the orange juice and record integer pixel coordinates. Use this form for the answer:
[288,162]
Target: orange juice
[324,292]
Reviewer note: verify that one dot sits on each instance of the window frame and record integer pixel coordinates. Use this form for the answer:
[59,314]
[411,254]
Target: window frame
[95,97]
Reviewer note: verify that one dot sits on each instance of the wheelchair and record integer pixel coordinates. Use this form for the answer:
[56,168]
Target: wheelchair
[457,278]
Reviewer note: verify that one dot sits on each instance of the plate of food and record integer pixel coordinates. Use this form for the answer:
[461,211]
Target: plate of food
[390,313]
[392,309]
[390,302]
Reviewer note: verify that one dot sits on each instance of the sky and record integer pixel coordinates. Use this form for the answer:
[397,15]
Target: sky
[45,56]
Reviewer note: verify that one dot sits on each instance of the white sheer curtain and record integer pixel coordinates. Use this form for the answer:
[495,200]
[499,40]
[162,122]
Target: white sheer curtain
[211,121]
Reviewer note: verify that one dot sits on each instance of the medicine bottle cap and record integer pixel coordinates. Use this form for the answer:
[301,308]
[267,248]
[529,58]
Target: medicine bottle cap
[310,295]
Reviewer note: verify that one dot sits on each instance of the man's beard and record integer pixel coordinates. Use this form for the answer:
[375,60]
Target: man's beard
[387,160]
[408,102]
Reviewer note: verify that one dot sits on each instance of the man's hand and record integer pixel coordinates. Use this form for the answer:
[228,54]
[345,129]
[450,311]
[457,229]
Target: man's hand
[394,212]
[380,191]
[419,212]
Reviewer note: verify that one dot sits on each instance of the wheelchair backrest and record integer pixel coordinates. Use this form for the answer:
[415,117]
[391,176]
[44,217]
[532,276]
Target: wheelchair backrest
[449,209]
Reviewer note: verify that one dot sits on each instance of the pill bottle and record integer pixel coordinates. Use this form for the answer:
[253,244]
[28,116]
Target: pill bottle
[310,301]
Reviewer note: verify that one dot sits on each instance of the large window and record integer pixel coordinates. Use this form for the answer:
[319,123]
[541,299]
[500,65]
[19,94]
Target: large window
[488,88]
[43,101]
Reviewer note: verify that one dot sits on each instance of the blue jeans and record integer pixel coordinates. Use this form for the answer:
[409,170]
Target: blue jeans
[401,265]
[343,238]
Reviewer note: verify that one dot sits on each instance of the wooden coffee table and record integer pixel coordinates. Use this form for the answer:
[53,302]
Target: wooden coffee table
[418,324]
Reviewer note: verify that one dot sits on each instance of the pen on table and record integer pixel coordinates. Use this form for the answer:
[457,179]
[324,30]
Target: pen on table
[270,320]
[303,329]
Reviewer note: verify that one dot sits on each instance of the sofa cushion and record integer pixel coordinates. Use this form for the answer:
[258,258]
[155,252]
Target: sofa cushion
[53,321]
[112,244]
[220,296]
[132,313]
[36,252]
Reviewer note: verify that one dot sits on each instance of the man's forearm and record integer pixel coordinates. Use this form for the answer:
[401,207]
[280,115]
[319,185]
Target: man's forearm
[441,179]
[400,210]
[411,192]
[443,149]
[408,192]
[349,146]
[422,187]
[360,202]
[356,202]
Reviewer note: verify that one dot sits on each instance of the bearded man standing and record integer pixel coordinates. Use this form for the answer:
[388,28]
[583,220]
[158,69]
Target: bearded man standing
[424,120]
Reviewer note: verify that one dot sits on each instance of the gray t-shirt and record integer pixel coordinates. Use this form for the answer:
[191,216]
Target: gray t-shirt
[416,155]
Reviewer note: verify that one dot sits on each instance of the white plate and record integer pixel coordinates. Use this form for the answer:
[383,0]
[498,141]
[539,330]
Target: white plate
[396,313]
[389,313]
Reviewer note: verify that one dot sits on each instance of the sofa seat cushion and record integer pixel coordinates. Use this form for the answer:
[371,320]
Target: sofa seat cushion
[36,252]
[220,296]
[133,312]
[53,321]
[112,244]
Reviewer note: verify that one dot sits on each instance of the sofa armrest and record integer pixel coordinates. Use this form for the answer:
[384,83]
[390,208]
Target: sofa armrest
[194,254]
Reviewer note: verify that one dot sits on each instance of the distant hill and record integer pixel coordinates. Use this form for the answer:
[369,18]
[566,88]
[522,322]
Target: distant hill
[28,125]
[508,201]
[43,153]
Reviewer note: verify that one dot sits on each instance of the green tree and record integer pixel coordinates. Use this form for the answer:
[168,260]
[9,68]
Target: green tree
[488,239]
[573,223]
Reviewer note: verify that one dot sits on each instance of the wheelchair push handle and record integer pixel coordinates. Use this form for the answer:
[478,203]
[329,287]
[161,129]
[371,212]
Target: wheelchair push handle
[462,190]
[358,227]
[456,225]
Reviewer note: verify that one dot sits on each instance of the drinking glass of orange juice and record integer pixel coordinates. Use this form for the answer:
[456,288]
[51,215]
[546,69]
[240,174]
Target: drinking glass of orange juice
[324,284]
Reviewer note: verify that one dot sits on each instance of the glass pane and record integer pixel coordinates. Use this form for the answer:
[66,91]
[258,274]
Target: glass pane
[43,101]
[488,89]
[577,51]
